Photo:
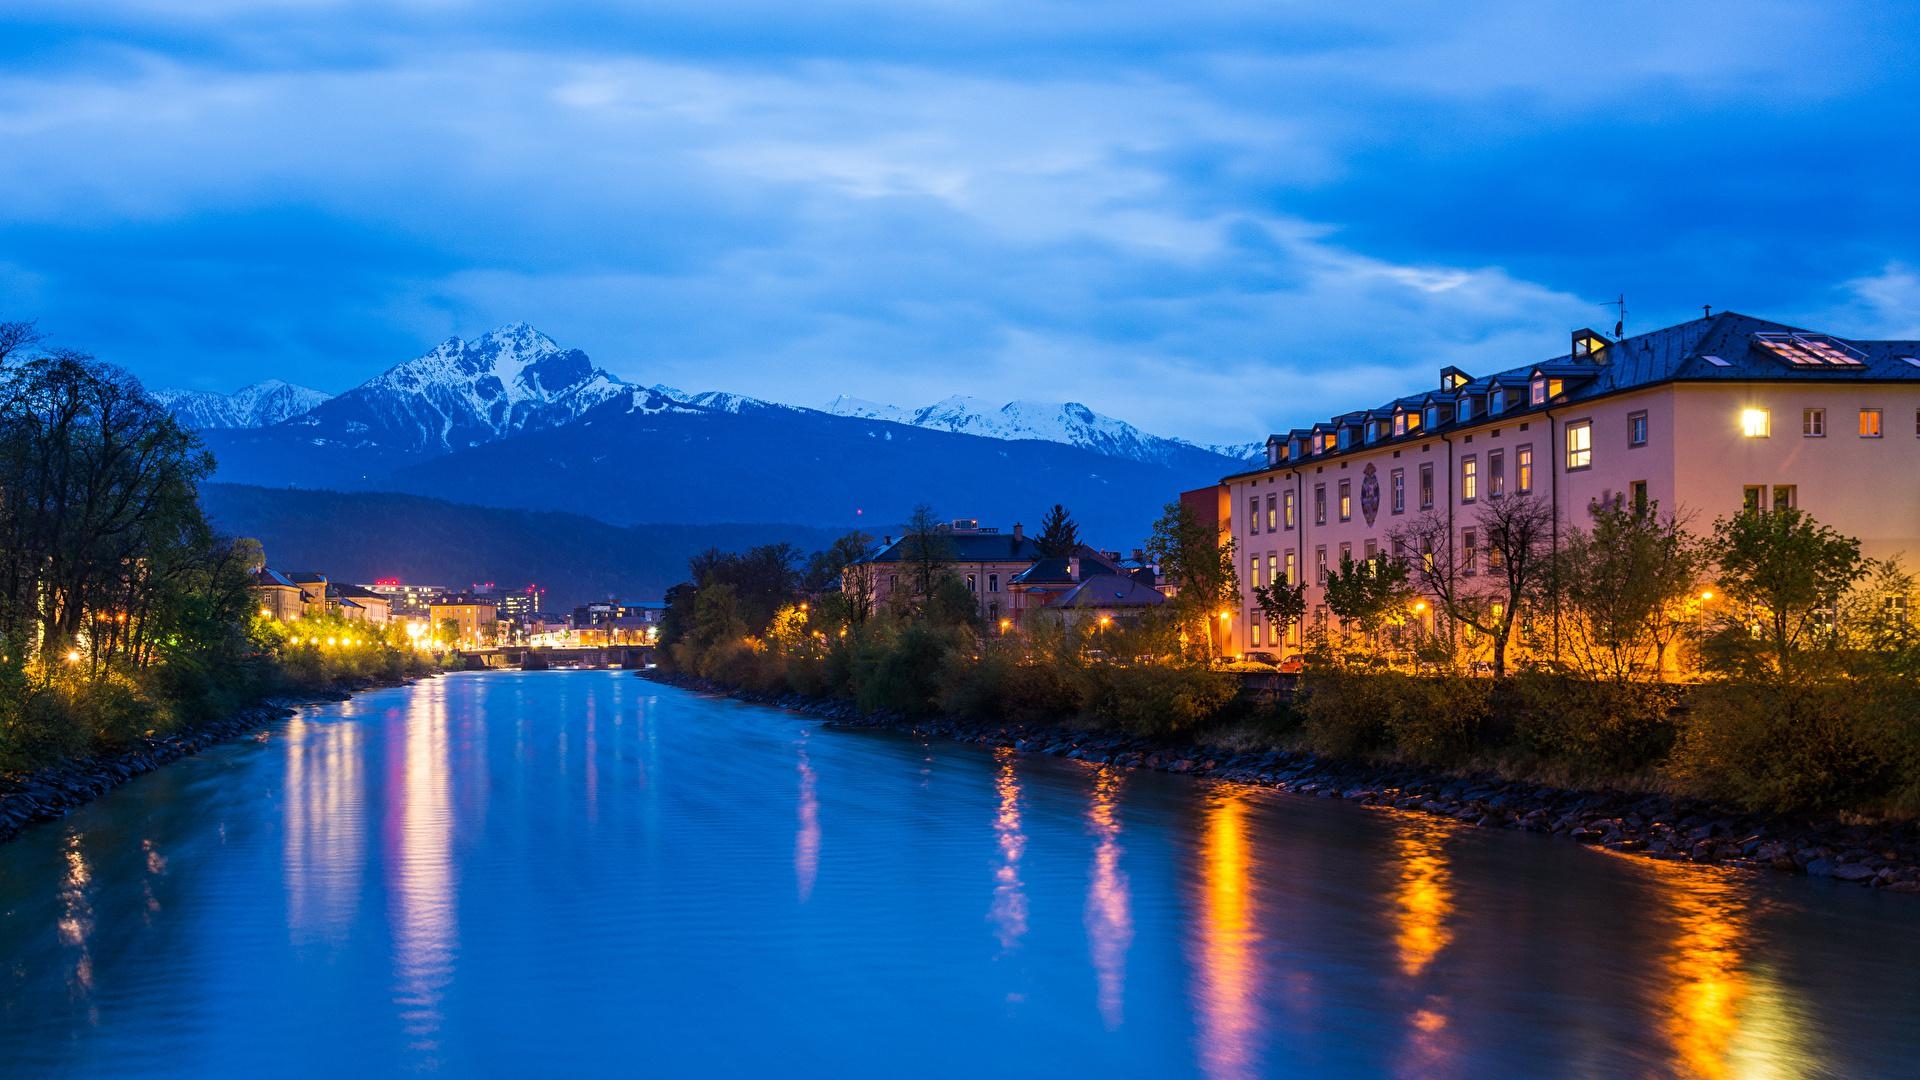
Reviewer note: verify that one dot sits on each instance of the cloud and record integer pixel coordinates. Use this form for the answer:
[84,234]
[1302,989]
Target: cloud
[1213,222]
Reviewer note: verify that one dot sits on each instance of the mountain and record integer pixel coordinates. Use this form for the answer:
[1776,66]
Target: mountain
[464,393]
[258,405]
[1071,423]
[364,536]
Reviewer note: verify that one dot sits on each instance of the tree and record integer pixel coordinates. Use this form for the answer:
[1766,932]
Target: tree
[1282,605]
[1199,562]
[1786,573]
[1367,594]
[1627,585]
[846,565]
[926,553]
[762,579]
[1487,584]
[16,337]
[1059,535]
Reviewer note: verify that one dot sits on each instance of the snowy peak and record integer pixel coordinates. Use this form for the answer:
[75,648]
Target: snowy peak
[464,393]
[259,405]
[1068,422]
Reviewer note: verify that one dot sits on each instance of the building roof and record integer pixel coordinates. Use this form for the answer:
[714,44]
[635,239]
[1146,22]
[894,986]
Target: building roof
[356,592]
[981,547]
[1728,347]
[267,577]
[1104,591]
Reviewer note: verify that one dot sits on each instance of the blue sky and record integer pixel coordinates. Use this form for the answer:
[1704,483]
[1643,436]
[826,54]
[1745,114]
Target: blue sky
[1211,220]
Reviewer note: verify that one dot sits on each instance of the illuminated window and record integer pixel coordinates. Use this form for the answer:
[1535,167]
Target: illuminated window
[1272,564]
[1290,568]
[1637,429]
[1469,479]
[1810,350]
[1253,516]
[1538,390]
[1523,469]
[1346,500]
[1496,473]
[1398,488]
[973,583]
[1287,508]
[1813,423]
[1869,423]
[1399,423]
[1580,445]
[1426,487]
[1272,512]
[1253,570]
[1413,421]
[1756,423]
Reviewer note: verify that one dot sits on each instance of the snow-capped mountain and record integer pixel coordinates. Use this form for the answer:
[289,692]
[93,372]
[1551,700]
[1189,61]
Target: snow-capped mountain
[258,405]
[1071,423]
[465,393]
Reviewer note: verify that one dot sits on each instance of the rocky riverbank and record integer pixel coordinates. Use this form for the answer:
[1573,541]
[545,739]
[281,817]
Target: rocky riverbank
[1882,855]
[54,792]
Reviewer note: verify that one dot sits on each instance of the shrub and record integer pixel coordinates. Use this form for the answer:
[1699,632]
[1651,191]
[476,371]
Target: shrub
[1596,729]
[1795,746]
[1155,699]
[1431,719]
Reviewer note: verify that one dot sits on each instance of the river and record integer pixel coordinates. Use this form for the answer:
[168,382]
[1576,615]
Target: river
[561,872]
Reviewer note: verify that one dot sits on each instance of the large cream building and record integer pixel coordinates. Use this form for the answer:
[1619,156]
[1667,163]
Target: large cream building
[1706,417]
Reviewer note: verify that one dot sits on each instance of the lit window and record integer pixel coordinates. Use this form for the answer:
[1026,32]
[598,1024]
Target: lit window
[1253,516]
[1523,469]
[1399,423]
[1287,507]
[1756,423]
[1271,512]
[1346,500]
[1469,479]
[1813,423]
[1637,429]
[1290,570]
[1271,564]
[1539,390]
[1580,445]
[1869,423]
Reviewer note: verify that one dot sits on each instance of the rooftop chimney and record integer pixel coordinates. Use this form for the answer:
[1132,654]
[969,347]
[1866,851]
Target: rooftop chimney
[1019,531]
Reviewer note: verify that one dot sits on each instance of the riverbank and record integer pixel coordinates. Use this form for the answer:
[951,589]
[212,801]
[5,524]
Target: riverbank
[51,793]
[1883,855]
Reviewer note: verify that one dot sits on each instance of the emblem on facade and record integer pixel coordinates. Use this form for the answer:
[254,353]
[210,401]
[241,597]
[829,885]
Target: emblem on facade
[1369,494]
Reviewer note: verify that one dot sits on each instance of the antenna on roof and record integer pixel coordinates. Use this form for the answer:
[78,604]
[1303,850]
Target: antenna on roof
[1619,304]
[1706,311]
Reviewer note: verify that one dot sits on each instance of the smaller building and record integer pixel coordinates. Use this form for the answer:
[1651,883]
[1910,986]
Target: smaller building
[1108,598]
[617,623]
[405,599]
[469,620]
[359,604]
[277,596]
[313,593]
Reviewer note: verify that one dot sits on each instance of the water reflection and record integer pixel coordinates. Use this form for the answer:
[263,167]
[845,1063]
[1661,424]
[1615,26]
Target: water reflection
[806,839]
[325,847]
[1009,911]
[76,920]
[1109,911]
[1422,906]
[1726,1016]
[420,868]
[1227,976]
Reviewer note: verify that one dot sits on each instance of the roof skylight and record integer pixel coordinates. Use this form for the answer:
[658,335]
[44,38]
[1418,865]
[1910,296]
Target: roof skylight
[1810,350]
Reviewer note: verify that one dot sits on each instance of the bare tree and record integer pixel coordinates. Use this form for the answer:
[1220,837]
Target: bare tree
[1484,582]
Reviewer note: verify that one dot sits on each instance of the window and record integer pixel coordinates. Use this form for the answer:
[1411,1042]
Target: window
[1469,479]
[1813,423]
[1537,392]
[1253,571]
[1346,554]
[1373,549]
[1469,551]
[1253,625]
[1496,473]
[1497,400]
[1345,438]
[1319,504]
[973,583]
[1753,498]
[1523,469]
[993,612]
[1432,416]
[1272,512]
[1637,429]
[1399,423]
[1869,423]
[1426,487]
[1287,508]
[1896,608]
[1785,497]
[1464,410]
[1290,568]
[1756,423]
[1320,565]
[1272,563]
[993,582]
[1580,445]
[893,582]
[1398,490]
[1253,516]
[1346,500]
[1639,494]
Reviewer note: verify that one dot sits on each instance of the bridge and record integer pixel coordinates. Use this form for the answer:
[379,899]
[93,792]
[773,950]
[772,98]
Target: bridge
[549,657]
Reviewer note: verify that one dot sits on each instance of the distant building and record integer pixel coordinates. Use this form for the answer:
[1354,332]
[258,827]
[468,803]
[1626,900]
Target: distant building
[359,604]
[1107,598]
[277,596]
[619,623]
[474,619]
[1006,573]
[404,599]
[313,593]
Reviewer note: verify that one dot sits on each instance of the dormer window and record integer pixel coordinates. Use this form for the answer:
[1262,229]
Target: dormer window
[1399,423]
[1345,438]
[1432,418]
[1464,410]
[1497,400]
[1539,388]
[1372,432]
[1413,421]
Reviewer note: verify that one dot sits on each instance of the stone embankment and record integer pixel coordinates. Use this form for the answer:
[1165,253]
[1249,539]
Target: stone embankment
[1883,855]
[54,792]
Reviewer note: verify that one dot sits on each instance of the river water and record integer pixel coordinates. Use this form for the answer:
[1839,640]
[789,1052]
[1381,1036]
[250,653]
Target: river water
[563,872]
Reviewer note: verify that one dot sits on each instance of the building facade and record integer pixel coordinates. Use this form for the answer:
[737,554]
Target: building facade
[1708,418]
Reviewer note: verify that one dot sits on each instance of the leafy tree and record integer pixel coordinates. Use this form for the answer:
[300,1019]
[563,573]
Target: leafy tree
[1283,605]
[762,579]
[1368,594]
[1627,585]
[1199,561]
[1059,534]
[926,552]
[1488,585]
[1785,575]
[844,566]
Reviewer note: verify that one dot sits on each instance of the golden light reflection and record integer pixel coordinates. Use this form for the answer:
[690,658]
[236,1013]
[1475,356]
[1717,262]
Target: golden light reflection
[1228,975]
[1726,1016]
[420,869]
[1109,907]
[325,848]
[76,919]
[1009,911]
[806,839]
[1423,897]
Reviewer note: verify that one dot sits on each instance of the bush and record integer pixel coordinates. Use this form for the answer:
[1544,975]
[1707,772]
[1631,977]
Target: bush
[1796,747]
[1595,729]
[906,676]
[1155,699]
[1437,720]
